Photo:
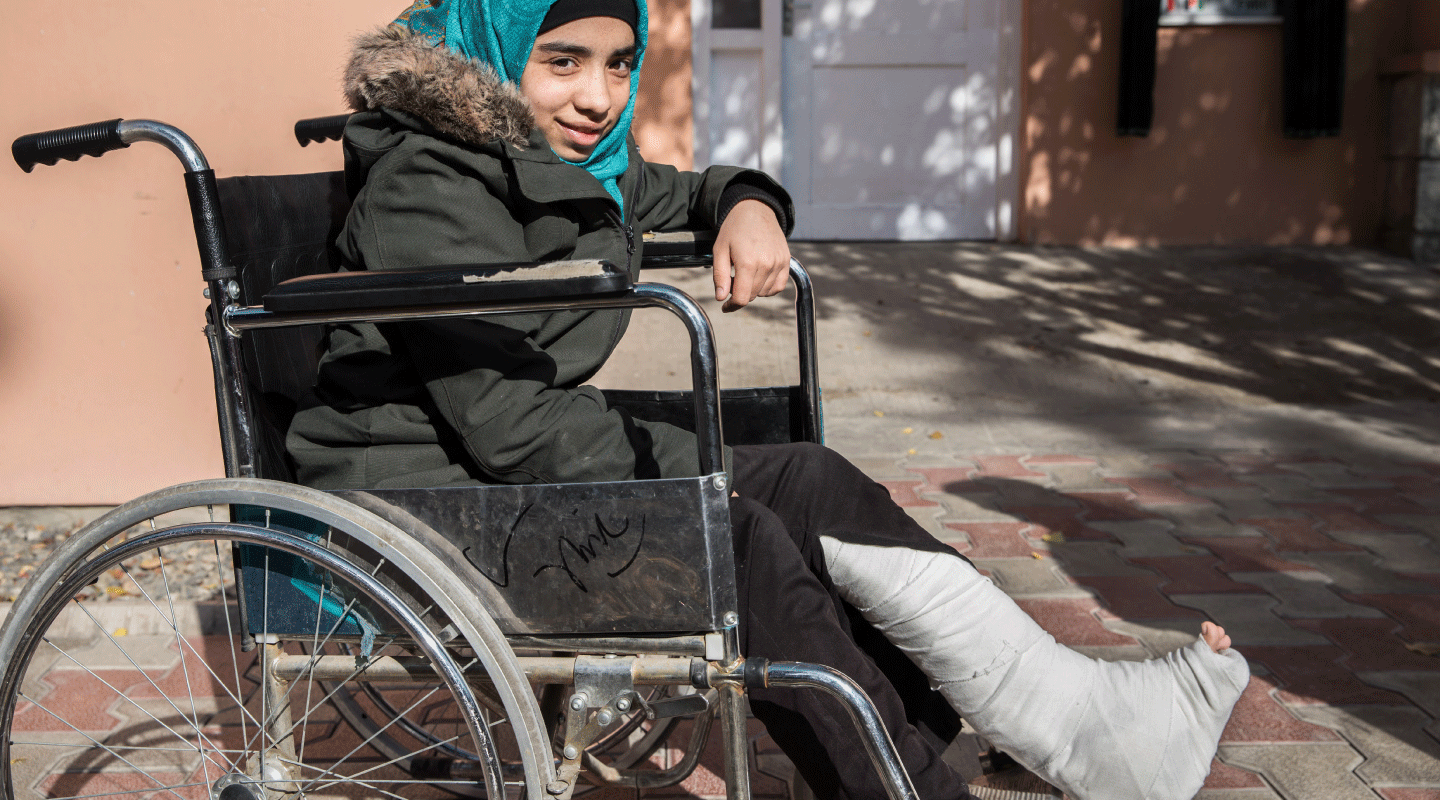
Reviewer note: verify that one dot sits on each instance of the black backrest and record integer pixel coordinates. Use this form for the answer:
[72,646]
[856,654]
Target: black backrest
[279,227]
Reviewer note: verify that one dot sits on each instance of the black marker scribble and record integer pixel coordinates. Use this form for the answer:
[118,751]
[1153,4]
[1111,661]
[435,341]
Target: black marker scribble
[589,548]
[504,553]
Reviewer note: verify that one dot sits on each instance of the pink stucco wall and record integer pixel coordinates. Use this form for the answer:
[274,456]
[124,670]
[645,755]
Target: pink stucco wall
[1215,167]
[105,388]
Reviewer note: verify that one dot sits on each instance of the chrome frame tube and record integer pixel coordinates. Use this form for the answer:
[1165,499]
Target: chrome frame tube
[809,360]
[878,744]
[148,130]
[644,295]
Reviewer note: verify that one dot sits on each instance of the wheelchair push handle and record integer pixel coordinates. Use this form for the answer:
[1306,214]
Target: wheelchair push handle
[320,129]
[48,147]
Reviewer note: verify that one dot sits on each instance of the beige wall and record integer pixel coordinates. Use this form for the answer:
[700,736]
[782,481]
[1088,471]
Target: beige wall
[105,388]
[1215,167]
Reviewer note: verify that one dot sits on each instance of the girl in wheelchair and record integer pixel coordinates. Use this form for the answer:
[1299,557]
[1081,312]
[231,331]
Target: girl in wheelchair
[497,131]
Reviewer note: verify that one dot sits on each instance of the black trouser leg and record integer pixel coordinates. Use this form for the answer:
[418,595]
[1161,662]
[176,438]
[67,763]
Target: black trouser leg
[791,612]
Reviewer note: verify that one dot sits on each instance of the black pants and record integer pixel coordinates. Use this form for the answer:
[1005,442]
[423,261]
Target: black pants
[790,496]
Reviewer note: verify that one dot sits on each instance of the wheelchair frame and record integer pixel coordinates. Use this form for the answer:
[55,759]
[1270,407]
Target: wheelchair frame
[603,664]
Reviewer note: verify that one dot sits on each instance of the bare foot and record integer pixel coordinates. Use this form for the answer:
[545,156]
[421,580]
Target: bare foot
[1214,635]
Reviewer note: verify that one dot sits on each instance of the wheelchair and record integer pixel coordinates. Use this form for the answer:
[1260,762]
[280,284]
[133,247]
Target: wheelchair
[248,638]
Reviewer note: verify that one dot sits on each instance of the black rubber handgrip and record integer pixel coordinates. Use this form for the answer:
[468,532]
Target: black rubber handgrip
[320,129]
[95,139]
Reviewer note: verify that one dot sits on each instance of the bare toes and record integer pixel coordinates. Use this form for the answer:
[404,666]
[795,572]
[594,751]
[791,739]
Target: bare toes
[1214,636]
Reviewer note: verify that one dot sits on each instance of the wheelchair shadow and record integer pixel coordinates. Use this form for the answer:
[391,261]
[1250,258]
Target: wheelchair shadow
[1331,655]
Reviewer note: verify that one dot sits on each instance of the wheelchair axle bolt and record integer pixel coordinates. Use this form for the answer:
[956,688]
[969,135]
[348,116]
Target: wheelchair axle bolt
[731,619]
[622,703]
[578,701]
[571,752]
[605,717]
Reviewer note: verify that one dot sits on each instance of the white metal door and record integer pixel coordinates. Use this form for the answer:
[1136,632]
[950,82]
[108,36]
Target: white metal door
[892,120]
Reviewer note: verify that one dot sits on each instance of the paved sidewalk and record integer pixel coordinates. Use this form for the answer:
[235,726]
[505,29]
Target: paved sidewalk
[1130,442]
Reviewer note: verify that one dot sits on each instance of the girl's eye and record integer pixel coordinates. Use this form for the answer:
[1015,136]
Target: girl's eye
[563,63]
[623,66]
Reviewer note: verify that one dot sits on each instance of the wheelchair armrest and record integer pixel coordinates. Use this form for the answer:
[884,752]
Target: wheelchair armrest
[677,249]
[450,285]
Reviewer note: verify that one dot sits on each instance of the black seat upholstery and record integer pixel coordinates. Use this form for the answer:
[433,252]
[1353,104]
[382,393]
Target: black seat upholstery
[279,227]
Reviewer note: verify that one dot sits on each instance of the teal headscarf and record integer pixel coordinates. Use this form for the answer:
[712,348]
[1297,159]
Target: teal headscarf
[502,33]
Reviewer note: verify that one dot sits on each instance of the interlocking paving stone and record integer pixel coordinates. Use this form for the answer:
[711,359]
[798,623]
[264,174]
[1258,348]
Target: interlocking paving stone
[906,493]
[1075,477]
[1030,577]
[1110,507]
[78,698]
[1068,523]
[1303,771]
[1249,619]
[1072,621]
[154,652]
[1135,597]
[1358,573]
[1094,558]
[1296,535]
[1407,552]
[1421,688]
[937,478]
[1381,501]
[1247,463]
[1250,555]
[1289,488]
[1337,517]
[1329,474]
[1223,776]
[1201,473]
[1130,465]
[1425,524]
[1408,793]
[1372,645]
[1201,520]
[1146,538]
[1259,717]
[1237,794]
[1312,675]
[1058,459]
[977,507]
[1418,614]
[1237,504]
[1199,574]
[1013,493]
[993,539]
[1158,492]
[1004,467]
[1396,748]
[1304,595]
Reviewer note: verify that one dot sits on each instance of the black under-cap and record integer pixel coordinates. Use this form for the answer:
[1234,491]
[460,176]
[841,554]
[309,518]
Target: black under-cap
[564,11]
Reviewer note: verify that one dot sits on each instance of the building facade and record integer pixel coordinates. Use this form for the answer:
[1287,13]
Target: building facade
[919,119]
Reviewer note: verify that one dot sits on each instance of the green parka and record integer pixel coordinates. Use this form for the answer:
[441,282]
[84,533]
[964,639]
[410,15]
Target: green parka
[445,167]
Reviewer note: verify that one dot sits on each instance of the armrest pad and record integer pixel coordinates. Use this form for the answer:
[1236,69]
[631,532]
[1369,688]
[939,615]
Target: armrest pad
[678,243]
[451,285]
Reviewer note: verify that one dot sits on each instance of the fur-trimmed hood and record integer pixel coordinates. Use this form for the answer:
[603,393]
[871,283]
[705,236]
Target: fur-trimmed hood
[463,99]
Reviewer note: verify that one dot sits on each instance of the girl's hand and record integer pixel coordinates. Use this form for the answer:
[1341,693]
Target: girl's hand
[750,243]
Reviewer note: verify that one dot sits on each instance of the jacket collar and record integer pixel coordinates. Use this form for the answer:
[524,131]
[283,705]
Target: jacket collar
[461,98]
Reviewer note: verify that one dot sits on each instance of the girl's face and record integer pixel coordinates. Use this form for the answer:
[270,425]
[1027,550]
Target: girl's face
[578,82]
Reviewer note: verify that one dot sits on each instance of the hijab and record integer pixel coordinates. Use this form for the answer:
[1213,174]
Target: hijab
[501,33]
